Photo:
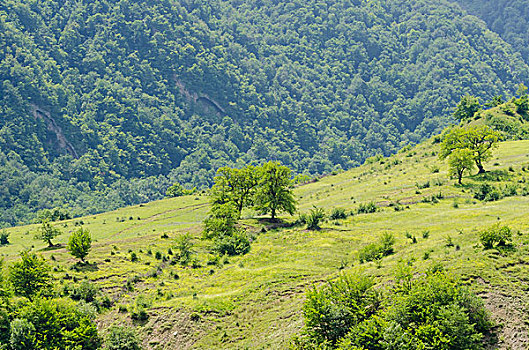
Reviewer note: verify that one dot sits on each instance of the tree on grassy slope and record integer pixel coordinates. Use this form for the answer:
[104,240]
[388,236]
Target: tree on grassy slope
[479,140]
[80,243]
[274,191]
[47,232]
[460,161]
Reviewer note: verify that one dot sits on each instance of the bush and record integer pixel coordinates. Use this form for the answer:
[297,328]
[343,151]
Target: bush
[122,338]
[236,244]
[139,311]
[86,291]
[80,243]
[4,238]
[61,324]
[487,192]
[495,235]
[314,218]
[22,335]
[431,311]
[331,310]
[378,250]
[337,214]
[184,248]
[367,208]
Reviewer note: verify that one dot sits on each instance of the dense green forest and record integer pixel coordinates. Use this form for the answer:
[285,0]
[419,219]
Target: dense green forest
[508,18]
[107,103]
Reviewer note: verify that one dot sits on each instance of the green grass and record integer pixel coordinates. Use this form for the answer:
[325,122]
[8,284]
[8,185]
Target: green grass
[255,301]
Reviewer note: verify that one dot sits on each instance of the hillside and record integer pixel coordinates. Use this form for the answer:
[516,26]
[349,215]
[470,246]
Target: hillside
[498,15]
[255,301]
[107,103]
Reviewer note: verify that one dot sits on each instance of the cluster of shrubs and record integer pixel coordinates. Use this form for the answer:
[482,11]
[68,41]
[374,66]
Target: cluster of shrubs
[367,208]
[488,192]
[228,238]
[429,311]
[316,216]
[36,314]
[495,236]
[377,250]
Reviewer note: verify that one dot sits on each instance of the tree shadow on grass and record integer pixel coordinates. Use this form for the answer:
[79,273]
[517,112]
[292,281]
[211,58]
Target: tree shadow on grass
[275,223]
[85,266]
[53,247]
[492,175]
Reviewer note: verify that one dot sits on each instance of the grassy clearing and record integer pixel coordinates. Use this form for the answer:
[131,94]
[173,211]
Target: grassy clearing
[255,301]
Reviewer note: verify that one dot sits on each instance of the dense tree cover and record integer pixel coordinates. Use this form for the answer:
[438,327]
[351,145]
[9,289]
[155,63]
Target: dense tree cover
[431,311]
[98,94]
[508,18]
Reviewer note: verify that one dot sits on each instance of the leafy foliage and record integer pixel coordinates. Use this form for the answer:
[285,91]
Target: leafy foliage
[467,108]
[367,208]
[29,276]
[236,244]
[47,232]
[478,140]
[122,338]
[184,248]
[459,161]
[80,243]
[177,190]
[60,324]
[330,311]
[274,192]
[4,238]
[377,250]
[313,219]
[235,186]
[495,235]
[432,311]
[110,103]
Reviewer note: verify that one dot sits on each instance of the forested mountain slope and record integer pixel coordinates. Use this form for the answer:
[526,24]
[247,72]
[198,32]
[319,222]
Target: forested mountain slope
[508,18]
[106,103]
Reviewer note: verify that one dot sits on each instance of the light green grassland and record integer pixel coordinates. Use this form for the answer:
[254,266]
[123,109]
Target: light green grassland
[255,301]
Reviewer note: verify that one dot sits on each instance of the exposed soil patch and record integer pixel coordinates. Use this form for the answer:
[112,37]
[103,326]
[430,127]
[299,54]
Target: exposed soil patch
[510,313]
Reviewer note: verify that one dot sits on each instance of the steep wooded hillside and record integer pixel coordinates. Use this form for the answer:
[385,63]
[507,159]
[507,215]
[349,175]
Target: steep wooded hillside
[106,103]
[508,18]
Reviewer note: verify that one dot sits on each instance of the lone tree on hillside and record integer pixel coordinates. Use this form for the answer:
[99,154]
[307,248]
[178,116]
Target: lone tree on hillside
[479,140]
[459,161]
[235,186]
[30,275]
[80,243]
[467,107]
[47,232]
[274,191]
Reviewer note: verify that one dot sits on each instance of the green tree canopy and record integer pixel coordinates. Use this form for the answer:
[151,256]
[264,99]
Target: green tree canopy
[80,243]
[478,139]
[47,232]
[459,161]
[274,193]
[236,186]
[30,275]
[467,107]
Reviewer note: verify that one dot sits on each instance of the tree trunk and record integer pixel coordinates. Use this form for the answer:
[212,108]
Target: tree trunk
[481,170]
[273,213]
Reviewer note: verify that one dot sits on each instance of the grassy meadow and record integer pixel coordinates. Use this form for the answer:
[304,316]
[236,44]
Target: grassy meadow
[255,301]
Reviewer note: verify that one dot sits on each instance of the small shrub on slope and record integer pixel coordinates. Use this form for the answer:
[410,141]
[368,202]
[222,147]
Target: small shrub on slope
[495,236]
